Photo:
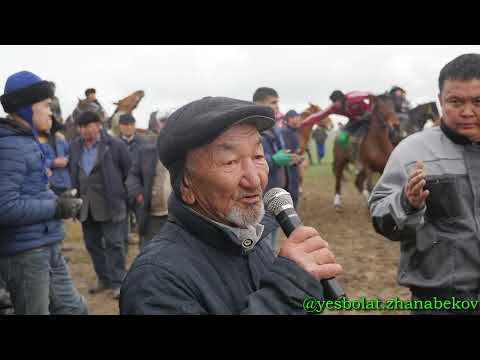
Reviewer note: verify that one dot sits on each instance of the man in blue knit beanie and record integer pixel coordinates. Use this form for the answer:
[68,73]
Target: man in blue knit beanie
[31,226]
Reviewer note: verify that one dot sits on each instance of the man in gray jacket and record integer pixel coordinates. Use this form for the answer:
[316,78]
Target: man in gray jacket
[428,196]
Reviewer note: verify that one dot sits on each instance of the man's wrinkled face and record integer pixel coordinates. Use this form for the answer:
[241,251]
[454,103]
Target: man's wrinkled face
[460,101]
[42,113]
[127,130]
[90,131]
[226,178]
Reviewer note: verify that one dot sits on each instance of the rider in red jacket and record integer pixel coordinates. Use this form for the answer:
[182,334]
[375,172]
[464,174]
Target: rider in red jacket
[355,105]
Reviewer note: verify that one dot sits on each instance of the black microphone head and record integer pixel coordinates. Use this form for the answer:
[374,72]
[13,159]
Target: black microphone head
[276,200]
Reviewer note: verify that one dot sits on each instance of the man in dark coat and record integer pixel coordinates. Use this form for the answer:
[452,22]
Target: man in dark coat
[211,257]
[134,142]
[148,186]
[99,165]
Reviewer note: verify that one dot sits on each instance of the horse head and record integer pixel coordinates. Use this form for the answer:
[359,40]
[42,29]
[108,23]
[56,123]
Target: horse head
[306,131]
[129,103]
[384,111]
[384,120]
[418,117]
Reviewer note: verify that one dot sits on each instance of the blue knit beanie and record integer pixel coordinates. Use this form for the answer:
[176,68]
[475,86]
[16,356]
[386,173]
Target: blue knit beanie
[23,89]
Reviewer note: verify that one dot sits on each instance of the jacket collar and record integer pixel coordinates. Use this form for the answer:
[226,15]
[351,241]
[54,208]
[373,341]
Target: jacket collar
[454,136]
[209,232]
[16,126]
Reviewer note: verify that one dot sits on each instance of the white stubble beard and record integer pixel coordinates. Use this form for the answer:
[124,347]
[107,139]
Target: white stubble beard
[244,218]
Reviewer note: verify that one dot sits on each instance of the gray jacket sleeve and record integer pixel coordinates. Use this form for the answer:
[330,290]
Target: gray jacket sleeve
[387,202]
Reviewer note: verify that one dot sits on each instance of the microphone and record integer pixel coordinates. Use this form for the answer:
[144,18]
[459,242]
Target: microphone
[279,203]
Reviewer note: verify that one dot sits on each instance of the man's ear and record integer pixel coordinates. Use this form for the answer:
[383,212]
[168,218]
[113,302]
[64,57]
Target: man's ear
[186,190]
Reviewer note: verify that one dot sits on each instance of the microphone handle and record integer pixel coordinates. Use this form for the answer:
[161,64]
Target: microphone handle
[289,221]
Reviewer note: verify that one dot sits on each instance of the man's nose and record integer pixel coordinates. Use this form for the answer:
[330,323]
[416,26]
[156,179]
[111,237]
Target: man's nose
[468,111]
[251,177]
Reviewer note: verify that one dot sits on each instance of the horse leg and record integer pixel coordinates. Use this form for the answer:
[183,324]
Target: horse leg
[360,180]
[370,182]
[365,174]
[340,166]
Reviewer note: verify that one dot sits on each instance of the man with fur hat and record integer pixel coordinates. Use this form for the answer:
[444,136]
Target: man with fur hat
[31,226]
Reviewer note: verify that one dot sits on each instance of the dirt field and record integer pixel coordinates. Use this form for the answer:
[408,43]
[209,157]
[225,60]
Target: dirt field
[369,260]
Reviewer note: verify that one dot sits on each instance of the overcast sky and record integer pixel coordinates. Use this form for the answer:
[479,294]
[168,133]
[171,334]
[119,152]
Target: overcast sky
[172,76]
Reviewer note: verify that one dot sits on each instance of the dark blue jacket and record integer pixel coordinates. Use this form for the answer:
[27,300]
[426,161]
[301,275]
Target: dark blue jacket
[194,267]
[272,141]
[57,146]
[135,145]
[271,145]
[27,205]
[290,139]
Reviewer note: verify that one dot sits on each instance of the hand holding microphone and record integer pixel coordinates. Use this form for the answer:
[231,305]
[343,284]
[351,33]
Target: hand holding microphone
[304,245]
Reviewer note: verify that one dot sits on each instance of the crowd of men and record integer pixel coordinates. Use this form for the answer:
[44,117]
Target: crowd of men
[192,189]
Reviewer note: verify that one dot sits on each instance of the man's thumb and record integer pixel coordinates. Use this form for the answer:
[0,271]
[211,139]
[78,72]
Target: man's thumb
[419,164]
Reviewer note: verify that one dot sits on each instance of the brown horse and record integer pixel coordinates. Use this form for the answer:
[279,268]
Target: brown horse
[306,131]
[418,117]
[124,106]
[305,135]
[375,148]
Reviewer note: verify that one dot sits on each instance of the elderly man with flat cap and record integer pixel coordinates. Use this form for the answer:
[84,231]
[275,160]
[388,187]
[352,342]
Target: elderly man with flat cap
[210,258]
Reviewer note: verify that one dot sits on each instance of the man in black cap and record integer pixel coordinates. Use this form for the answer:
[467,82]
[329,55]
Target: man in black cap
[134,143]
[128,134]
[210,257]
[99,165]
[31,227]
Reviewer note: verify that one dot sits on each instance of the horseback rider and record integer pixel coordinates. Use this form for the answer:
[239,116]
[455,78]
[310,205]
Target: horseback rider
[91,96]
[402,105]
[356,106]
[399,96]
